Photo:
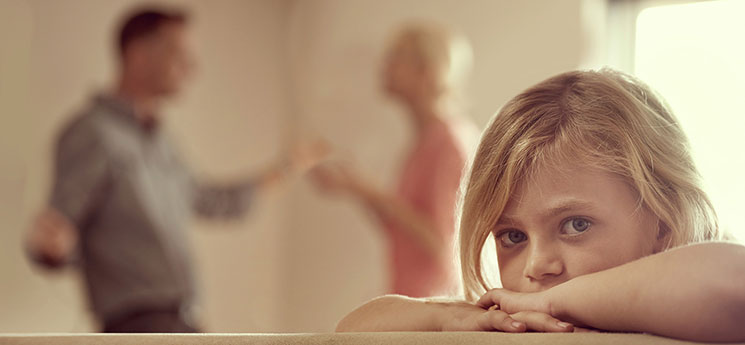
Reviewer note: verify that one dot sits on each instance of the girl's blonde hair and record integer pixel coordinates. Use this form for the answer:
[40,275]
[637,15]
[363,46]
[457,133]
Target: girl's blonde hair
[602,119]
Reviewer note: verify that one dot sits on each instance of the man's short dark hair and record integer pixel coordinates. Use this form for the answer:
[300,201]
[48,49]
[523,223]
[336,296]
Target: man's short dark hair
[146,21]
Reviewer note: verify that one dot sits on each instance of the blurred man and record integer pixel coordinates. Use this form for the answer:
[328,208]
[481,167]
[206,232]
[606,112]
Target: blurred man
[122,197]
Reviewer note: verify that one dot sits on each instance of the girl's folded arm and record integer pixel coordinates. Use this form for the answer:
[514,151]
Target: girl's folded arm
[400,313]
[696,292]
[392,313]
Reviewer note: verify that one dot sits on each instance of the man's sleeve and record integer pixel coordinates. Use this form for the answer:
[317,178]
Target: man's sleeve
[222,201]
[81,172]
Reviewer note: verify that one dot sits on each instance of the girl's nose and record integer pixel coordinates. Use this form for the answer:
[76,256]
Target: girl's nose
[544,263]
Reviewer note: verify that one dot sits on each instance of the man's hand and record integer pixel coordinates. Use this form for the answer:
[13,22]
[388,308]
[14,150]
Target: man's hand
[52,239]
[305,155]
[464,316]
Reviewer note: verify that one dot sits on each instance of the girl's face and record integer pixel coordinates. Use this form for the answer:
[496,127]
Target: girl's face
[567,222]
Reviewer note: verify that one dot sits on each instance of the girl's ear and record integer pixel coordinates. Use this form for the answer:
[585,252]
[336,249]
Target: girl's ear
[664,236]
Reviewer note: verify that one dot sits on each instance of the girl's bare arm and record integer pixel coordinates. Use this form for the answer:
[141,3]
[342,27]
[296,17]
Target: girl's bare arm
[695,292]
[399,313]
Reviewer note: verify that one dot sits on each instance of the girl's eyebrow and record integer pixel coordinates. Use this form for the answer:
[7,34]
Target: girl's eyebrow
[505,220]
[559,207]
[566,205]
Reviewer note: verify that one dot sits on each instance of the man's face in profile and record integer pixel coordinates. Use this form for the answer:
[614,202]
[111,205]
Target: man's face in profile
[164,59]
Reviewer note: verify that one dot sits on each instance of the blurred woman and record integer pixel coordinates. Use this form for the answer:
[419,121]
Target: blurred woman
[424,68]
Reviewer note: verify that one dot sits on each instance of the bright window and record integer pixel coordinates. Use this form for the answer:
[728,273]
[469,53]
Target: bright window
[694,55]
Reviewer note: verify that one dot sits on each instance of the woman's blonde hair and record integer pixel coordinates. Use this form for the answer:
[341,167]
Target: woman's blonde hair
[602,119]
[444,53]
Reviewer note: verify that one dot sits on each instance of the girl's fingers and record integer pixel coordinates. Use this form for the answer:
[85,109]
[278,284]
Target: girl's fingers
[497,320]
[541,322]
[489,299]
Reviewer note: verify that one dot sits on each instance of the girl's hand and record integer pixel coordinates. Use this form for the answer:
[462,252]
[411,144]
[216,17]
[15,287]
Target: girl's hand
[514,302]
[464,316]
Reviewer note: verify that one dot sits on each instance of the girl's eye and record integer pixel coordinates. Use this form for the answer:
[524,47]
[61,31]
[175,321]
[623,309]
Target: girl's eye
[512,237]
[575,226]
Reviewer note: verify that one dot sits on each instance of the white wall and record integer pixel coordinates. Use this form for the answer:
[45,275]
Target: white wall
[269,69]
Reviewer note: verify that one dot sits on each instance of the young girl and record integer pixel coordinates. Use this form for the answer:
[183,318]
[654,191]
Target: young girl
[587,185]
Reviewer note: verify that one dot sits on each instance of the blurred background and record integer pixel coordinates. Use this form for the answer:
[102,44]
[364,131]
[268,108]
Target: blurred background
[274,70]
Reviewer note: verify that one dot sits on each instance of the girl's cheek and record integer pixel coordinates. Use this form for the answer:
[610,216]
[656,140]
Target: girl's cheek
[510,272]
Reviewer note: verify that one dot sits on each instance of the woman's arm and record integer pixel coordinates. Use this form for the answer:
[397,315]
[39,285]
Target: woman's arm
[695,292]
[391,209]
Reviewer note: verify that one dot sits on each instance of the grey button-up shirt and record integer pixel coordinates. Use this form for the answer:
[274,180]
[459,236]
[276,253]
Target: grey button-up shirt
[131,197]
